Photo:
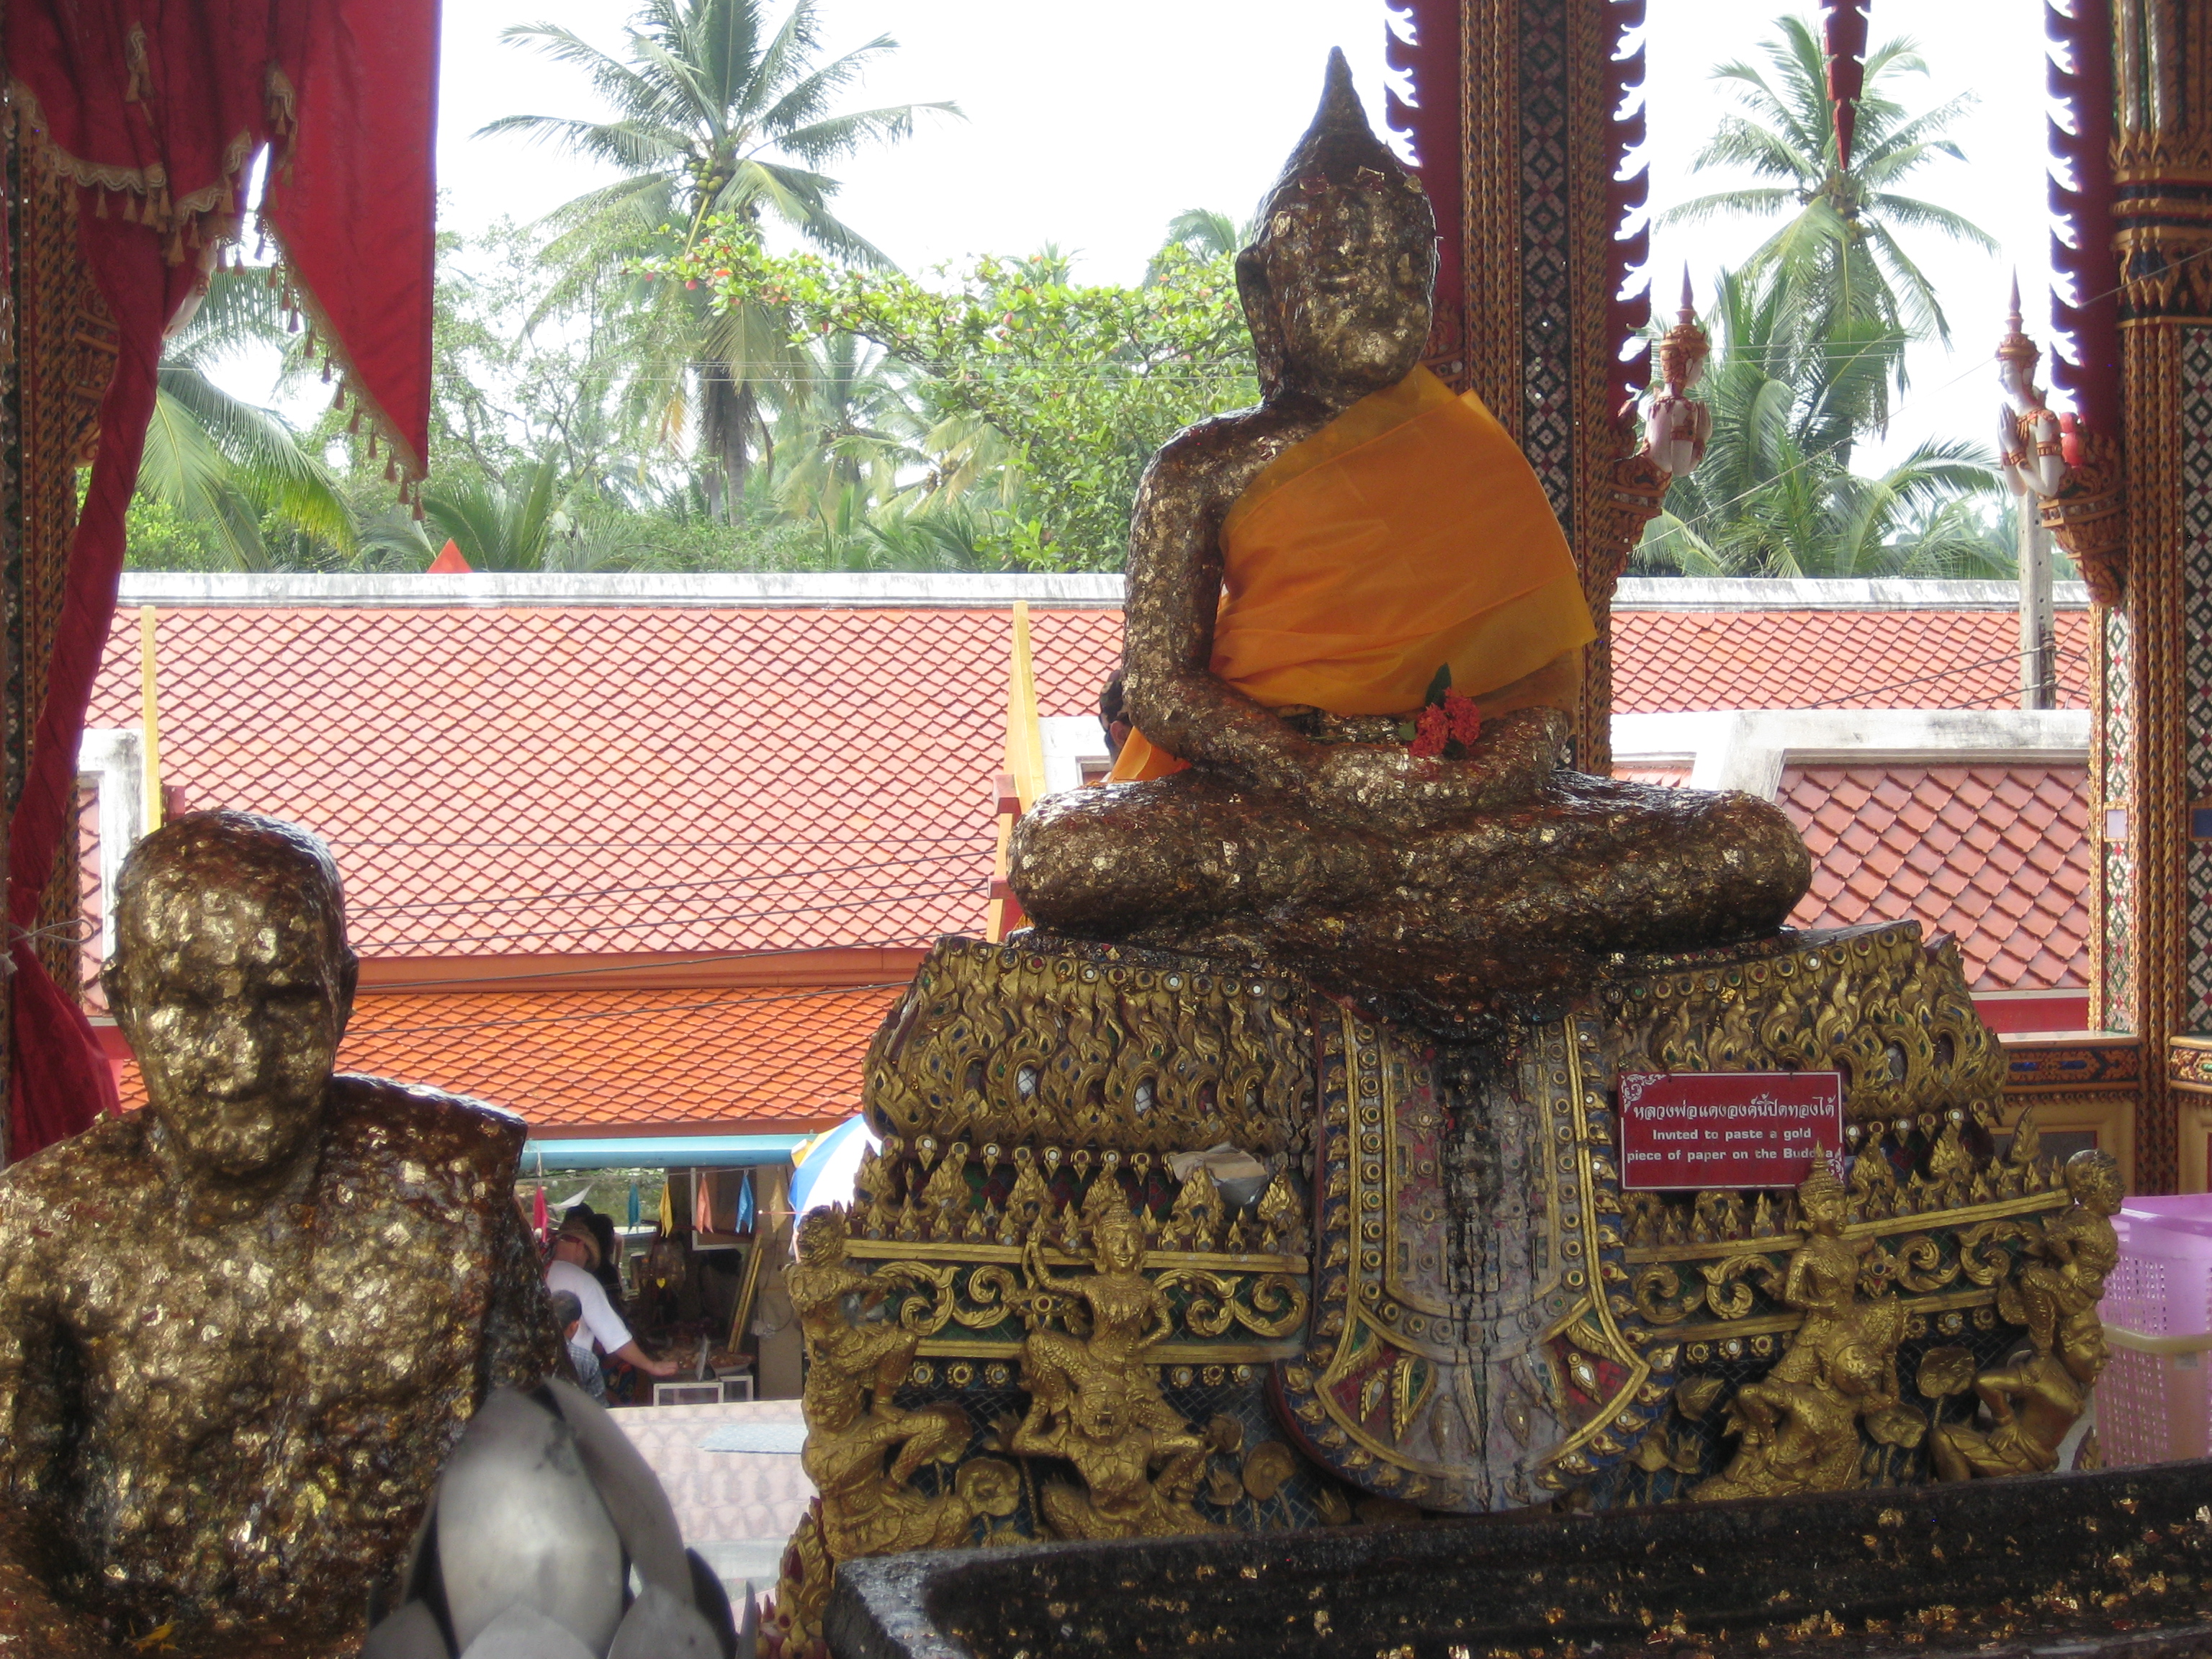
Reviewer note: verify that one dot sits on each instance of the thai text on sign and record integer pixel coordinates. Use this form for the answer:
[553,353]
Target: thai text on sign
[1692,1130]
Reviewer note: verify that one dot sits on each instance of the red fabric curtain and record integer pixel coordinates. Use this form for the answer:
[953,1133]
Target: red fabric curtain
[156,108]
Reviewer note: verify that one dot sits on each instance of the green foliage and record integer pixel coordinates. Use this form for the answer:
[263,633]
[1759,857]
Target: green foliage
[1776,495]
[1836,265]
[1081,382]
[716,111]
[1810,341]
[158,536]
[221,479]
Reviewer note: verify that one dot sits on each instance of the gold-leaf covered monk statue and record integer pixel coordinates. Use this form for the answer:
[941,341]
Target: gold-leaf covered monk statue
[1305,579]
[240,1330]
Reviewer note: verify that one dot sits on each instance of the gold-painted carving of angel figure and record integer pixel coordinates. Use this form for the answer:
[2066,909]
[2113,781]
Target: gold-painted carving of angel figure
[863,1449]
[1800,1423]
[1095,1399]
[2065,1276]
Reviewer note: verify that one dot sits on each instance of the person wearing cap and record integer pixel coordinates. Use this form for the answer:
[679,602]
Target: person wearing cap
[576,1259]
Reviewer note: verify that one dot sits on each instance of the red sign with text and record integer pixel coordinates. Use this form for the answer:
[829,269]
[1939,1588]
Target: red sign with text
[1691,1130]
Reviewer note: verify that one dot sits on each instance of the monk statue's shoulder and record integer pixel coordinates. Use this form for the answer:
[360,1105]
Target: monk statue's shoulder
[373,1123]
[95,1176]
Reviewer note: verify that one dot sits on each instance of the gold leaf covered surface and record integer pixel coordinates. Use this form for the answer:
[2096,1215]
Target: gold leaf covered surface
[242,1422]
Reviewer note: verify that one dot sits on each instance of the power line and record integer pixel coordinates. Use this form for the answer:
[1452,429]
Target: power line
[680,846]
[2061,653]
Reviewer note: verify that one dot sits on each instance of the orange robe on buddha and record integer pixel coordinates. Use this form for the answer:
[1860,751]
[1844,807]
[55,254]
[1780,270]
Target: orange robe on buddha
[1407,535]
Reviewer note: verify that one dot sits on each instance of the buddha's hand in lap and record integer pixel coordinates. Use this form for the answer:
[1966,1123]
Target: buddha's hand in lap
[1367,784]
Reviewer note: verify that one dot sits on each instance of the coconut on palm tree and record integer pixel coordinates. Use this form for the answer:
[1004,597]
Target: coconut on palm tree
[1837,260]
[717,114]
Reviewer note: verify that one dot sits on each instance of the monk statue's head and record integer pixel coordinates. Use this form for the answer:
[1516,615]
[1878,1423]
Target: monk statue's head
[232,983]
[1336,288]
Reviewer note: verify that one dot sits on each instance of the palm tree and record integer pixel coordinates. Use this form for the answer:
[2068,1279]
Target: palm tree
[1204,234]
[221,462]
[848,423]
[1836,260]
[536,520]
[1775,495]
[716,113]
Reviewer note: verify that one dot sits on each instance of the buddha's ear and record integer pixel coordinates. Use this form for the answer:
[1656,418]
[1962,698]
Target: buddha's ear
[1260,317]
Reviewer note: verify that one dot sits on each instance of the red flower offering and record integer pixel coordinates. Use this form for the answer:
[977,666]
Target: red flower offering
[1462,719]
[1431,731]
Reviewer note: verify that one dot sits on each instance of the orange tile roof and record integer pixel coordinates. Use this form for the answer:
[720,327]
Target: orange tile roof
[613,778]
[756,1062]
[616,778]
[1668,661]
[1998,856]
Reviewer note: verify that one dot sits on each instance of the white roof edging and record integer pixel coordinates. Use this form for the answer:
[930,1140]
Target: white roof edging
[832,590]
[1807,593]
[1747,749]
[837,590]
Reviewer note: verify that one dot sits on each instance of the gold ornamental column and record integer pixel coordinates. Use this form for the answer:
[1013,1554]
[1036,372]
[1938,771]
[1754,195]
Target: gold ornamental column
[2155,724]
[1538,330]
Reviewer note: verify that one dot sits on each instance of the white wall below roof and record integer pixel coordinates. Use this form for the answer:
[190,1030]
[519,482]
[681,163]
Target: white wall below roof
[1069,741]
[113,760]
[1775,594]
[849,589]
[1729,749]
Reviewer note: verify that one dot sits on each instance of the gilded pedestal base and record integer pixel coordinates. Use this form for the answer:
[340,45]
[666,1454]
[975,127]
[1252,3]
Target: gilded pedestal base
[1188,1247]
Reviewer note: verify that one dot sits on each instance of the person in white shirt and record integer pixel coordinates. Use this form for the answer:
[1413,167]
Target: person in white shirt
[575,1255]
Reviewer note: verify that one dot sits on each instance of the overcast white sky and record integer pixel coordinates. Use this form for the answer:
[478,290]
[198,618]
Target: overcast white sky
[1089,126]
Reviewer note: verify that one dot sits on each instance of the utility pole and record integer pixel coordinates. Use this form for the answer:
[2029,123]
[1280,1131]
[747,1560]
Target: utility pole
[2039,655]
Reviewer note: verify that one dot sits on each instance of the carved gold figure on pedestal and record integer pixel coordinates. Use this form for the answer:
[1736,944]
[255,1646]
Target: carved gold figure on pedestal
[2064,1275]
[863,1450]
[241,1330]
[2032,1406]
[1301,576]
[1095,1399]
[1800,1423]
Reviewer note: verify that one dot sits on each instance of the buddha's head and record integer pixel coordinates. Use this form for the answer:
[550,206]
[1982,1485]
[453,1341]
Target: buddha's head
[1336,286]
[232,983]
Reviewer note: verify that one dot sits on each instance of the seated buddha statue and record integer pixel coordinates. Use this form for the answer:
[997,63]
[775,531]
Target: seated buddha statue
[1354,631]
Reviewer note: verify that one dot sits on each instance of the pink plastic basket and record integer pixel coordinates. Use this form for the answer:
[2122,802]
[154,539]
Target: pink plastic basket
[2153,1404]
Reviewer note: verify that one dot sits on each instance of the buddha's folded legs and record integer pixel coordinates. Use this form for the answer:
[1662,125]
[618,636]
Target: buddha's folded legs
[1519,902]
[1181,853]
